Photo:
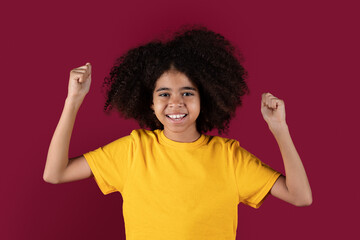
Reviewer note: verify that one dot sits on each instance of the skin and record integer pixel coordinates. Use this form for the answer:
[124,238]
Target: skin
[174,93]
[59,168]
[294,188]
[171,96]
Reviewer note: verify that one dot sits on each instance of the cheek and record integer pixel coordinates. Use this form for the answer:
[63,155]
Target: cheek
[158,105]
[195,106]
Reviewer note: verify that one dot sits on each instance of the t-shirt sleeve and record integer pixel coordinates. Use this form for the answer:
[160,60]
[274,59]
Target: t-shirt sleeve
[110,164]
[254,178]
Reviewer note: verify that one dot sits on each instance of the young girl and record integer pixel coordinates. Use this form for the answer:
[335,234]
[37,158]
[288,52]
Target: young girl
[177,182]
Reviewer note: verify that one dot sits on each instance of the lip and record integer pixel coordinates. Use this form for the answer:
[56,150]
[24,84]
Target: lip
[175,113]
[176,121]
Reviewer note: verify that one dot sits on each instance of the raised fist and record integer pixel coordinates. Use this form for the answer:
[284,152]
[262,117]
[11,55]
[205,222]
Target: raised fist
[79,82]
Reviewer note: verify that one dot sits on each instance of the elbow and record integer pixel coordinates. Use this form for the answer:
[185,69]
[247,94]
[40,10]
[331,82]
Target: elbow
[304,202]
[47,178]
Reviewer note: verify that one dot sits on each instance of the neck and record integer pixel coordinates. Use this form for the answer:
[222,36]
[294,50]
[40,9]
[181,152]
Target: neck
[187,136]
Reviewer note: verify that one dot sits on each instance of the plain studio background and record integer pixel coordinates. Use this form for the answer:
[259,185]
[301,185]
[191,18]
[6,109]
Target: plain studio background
[306,53]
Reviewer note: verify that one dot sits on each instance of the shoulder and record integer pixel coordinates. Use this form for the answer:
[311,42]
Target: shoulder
[137,137]
[232,146]
[139,133]
[217,140]
[223,143]
[117,143]
[144,135]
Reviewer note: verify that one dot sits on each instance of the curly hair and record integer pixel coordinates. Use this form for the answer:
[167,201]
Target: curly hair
[209,60]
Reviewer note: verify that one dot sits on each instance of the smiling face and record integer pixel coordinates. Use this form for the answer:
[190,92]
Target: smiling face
[176,104]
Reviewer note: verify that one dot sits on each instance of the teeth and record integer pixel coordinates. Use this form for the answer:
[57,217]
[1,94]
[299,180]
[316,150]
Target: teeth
[177,116]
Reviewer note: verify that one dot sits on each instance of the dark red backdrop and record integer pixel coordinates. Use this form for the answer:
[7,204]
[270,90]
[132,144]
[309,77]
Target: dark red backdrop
[306,53]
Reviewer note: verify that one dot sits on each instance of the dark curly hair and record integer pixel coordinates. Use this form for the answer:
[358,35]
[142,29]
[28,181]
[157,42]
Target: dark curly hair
[205,57]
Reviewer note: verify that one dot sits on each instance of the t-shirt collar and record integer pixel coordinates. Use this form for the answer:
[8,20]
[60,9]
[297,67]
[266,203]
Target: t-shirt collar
[182,145]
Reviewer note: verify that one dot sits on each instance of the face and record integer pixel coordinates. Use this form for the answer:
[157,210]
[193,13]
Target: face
[176,103]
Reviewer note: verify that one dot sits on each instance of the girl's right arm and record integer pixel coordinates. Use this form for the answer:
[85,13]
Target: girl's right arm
[59,168]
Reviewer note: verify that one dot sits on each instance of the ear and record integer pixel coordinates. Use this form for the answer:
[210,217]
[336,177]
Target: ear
[152,106]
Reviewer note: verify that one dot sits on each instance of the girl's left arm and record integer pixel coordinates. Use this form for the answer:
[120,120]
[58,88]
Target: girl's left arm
[295,187]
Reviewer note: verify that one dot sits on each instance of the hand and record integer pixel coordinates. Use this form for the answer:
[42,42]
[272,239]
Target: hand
[273,111]
[79,82]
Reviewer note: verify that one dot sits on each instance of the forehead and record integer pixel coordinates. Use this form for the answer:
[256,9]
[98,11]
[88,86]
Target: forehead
[173,79]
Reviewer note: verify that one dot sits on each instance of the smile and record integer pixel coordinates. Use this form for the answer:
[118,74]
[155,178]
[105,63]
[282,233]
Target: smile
[176,117]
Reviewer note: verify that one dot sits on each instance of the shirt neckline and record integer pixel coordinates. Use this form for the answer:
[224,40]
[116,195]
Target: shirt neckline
[182,145]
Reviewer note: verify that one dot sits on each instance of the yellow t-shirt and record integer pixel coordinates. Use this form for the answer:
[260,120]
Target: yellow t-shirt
[185,191]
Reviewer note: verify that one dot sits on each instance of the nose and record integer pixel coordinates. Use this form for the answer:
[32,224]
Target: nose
[176,101]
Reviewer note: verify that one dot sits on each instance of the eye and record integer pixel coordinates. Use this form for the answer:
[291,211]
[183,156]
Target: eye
[188,94]
[164,95]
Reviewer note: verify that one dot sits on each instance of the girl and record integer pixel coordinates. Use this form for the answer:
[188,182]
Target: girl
[177,182]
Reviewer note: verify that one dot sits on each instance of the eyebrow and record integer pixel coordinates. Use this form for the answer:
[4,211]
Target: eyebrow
[169,89]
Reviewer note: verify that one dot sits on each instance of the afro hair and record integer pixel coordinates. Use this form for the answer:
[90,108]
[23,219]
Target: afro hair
[209,60]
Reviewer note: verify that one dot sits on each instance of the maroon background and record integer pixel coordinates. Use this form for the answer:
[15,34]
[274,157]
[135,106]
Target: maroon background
[306,53]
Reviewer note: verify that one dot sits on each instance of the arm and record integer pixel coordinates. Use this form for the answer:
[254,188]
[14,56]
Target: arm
[58,167]
[295,187]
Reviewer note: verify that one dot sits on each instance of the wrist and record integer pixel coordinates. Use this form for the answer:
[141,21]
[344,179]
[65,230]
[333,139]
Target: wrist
[278,128]
[73,102]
